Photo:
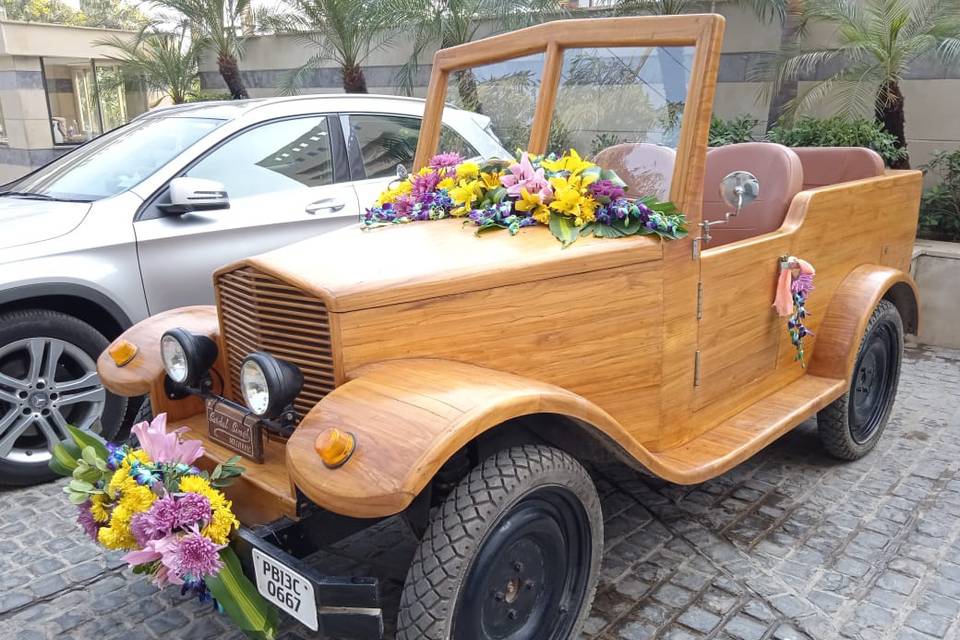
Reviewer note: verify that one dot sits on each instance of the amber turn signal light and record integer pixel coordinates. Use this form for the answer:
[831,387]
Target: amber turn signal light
[335,447]
[122,352]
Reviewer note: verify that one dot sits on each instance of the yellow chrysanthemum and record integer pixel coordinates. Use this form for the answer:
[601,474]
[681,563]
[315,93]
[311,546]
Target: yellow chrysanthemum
[117,535]
[137,499]
[221,524]
[99,507]
[196,484]
[446,183]
[491,180]
[121,481]
[391,194]
[467,171]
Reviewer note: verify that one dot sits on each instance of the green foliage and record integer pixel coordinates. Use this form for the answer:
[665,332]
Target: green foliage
[732,131]
[940,206]
[838,132]
[226,472]
[602,141]
[240,599]
[109,14]
[208,96]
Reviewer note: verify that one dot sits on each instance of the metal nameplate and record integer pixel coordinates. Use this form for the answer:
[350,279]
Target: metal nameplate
[235,429]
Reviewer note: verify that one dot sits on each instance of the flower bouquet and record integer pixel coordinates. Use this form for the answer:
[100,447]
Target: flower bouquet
[170,517]
[572,196]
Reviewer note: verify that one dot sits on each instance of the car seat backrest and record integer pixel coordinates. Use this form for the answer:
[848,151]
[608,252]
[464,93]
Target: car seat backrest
[780,174]
[824,166]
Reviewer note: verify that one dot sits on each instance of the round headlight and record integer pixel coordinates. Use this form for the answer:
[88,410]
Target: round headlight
[186,356]
[269,385]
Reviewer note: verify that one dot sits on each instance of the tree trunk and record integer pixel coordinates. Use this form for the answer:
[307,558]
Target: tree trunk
[468,90]
[889,113]
[789,46]
[353,79]
[230,71]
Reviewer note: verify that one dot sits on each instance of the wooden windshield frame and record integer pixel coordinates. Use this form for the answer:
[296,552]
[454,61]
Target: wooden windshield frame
[704,32]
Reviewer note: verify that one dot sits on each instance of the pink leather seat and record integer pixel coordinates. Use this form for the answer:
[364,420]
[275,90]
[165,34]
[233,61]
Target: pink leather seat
[824,166]
[646,168]
[781,178]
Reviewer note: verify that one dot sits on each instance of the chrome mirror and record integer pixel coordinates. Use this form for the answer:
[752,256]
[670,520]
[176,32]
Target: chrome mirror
[402,172]
[739,189]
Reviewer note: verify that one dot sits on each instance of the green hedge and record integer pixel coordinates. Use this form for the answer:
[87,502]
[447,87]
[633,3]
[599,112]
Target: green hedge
[940,206]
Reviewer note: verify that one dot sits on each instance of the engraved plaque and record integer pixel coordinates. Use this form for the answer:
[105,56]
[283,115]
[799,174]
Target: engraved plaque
[235,429]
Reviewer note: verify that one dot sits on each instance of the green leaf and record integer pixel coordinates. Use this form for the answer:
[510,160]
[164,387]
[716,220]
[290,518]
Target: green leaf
[496,196]
[587,229]
[89,456]
[633,227]
[58,468]
[89,439]
[563,229]
[240,599]
[607,231]
[77,498]
[62,455]
[611,175]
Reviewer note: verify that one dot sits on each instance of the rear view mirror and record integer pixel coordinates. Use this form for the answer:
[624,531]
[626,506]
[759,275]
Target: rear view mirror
[739,189]
[195,194]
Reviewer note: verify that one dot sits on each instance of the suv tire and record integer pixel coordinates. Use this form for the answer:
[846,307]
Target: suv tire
[851,425]
[36,344]
[514,551]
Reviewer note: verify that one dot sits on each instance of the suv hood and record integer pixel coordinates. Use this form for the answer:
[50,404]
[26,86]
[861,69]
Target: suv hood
[354,268]
[23,220]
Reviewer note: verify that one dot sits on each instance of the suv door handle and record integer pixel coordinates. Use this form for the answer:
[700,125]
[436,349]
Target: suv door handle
[324,204]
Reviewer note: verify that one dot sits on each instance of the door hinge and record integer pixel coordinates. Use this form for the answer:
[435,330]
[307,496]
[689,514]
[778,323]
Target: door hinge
[699,300]
[696,369]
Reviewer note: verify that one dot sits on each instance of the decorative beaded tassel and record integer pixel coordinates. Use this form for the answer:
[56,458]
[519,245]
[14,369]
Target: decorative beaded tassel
[793,286]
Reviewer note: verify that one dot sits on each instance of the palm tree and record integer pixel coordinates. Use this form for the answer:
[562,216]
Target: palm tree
[454,22]
[167,62]
[345,32]
[220,22]
[878,40]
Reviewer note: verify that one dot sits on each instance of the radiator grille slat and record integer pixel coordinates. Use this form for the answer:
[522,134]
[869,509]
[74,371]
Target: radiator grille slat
[261,313]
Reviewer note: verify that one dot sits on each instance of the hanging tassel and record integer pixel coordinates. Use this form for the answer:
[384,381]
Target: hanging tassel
[783,302]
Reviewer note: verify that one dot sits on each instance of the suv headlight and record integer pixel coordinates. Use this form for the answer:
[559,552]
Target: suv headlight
[269,385]
[186,356]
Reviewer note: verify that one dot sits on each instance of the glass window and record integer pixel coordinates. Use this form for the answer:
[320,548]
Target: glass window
[387,140]
[87,98]
[117,161]
[279,156]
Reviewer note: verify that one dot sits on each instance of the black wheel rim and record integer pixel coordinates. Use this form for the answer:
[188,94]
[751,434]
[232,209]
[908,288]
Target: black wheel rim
[530,574]
[872,388]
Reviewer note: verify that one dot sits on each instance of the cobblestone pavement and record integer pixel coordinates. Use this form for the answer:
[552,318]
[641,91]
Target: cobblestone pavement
[789,545]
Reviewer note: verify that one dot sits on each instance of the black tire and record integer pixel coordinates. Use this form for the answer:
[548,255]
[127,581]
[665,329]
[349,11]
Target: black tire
[533,502]
[850,426]
[75,338]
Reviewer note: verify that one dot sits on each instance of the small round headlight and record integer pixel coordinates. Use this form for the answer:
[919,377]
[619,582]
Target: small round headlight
[269,385]
[186,356]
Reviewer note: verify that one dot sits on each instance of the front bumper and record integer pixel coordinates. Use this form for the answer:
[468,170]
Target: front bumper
[346,607]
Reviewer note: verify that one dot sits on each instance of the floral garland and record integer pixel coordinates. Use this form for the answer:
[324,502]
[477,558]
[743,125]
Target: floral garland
[169,516]
[572,196]
[794,285]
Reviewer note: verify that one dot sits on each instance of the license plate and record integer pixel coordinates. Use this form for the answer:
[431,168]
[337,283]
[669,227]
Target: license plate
[234,428]
[285,588]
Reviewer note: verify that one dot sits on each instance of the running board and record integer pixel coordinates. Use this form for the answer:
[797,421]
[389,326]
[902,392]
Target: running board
[738,438]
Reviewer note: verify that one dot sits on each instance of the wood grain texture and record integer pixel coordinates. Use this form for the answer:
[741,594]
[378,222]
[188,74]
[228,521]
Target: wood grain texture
[353,269]
[264,492]
[408,419]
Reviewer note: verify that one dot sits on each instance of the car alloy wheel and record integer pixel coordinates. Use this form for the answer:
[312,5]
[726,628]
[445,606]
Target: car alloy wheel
[45,384]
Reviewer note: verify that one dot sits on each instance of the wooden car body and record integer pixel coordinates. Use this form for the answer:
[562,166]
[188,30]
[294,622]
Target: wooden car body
[424,340]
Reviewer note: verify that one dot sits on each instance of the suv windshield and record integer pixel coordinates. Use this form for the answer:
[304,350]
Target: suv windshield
[115,161]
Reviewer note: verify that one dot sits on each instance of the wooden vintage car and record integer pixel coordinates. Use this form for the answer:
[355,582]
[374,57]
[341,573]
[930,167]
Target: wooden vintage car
[461,382]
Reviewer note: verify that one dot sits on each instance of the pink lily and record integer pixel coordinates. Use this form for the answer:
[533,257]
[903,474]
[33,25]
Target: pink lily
[523,176]
[166,447]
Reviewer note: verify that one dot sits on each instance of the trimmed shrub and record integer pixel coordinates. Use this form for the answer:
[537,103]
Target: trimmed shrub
[940,206]
[733,131]
[837,132]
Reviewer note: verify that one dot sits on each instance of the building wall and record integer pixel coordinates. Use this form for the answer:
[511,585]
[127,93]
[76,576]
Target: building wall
[932,90]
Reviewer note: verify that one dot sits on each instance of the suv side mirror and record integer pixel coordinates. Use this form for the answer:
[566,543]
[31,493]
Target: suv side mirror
[195,194]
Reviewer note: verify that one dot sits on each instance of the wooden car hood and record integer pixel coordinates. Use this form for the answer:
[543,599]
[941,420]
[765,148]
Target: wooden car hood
[353,268]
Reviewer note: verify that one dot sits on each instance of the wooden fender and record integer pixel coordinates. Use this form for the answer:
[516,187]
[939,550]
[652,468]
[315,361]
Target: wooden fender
[145,373]
[409,417]
[839,335]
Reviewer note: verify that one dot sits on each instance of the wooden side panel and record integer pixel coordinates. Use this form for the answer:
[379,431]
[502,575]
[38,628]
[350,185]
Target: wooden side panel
[596,334]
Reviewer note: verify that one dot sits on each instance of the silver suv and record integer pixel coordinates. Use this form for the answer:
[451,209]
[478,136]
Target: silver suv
[136,221]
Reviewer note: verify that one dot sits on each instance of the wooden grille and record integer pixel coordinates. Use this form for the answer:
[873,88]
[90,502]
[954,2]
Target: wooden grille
[260,313]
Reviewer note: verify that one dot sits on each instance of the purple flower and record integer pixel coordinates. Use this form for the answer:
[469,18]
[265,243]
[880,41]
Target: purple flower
[194,555]
[156,523]
[606,189]
[192,509]
[85,520]
[425,184]
[449,159]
